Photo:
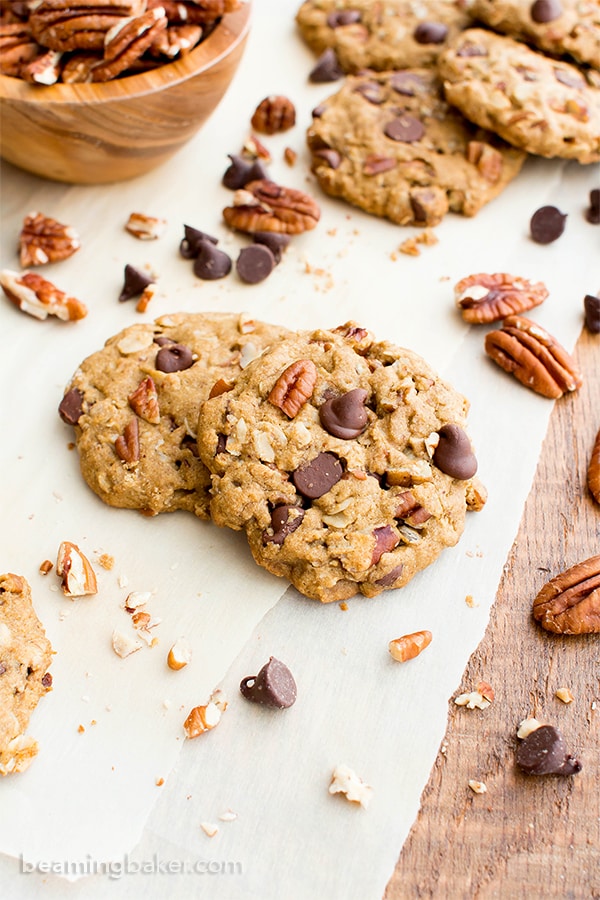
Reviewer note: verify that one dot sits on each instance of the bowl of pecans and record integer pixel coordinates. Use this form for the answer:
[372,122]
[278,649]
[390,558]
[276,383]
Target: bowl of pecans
[97,91]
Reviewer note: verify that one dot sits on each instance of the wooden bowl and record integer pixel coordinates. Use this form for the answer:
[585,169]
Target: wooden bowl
[98,133]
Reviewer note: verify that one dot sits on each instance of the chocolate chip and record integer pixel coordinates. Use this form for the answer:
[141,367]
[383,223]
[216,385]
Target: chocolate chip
[591,305]
[405,128]
[274,686]
[331,156]
[547,224]
[276,242]
[135,283]
[255,263]
[318,111]
[47,680]
[211,263]
[454,455]
[241,172]
[327,68]
[391,577]
[162,340]
[283,524]
[343,17]
[221,443]
[593,213]
[318,476]
[543,752]
[406,83]
[371,91]
[174,358]
[189,246]
[430,33]
[345,417]
[2,668]
[71,407]
[469,49]
[569,78]
[543,11]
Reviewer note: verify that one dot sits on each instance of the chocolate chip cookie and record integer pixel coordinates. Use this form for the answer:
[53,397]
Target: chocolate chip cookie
[25,656]
[344,459]
[559,27]
[392,34]
[390,143]
[134,405]
[544,106]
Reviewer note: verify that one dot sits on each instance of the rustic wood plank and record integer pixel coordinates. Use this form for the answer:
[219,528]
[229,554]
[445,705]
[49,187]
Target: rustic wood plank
[526,836]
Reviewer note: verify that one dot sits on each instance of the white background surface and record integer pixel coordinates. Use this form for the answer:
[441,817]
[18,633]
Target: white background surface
[91,797]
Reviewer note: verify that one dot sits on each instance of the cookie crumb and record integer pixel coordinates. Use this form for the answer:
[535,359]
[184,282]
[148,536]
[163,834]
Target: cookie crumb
[343,606]
[209,828]
[565,695]
[106,561]
[411,245]
[470,601]
[290,156]
[478,787]
[159,782]
[344,780]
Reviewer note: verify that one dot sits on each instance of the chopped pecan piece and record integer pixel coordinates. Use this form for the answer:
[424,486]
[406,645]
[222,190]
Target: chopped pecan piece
[145,228]
[274,114]
[593,475]
[144,401]
[127,445]
[534,357]
[294,387]
[75,570]
[40,298]
[487,298]
[44,69]
[570,602]
[487,160]
[265,206]
[44,240]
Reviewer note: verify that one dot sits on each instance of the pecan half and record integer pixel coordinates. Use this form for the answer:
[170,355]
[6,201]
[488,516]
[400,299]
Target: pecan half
[126,41]
[17,47]
[44,240]
[593,475]
[534,357]
[294,387]
[570,602]
[487,298]
[274,114]
[265,206]
[40,298]
[78,24]
[144,401]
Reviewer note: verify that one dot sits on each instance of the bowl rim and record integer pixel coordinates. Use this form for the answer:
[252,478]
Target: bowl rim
[231,31]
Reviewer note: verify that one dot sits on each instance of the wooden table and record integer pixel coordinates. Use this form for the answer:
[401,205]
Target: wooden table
[525,836]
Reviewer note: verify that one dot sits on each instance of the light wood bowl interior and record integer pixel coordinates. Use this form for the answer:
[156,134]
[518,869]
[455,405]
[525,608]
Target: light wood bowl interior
[99,133]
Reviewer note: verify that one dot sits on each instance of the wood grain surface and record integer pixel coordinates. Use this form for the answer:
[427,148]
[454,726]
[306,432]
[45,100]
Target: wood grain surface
[526,836]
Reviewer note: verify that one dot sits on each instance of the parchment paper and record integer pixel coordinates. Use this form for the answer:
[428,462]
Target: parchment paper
[91,796]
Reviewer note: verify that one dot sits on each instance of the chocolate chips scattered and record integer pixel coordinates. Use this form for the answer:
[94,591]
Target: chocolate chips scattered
[345,417]
[591,306]
[211,263]
[547,224]
[174,358]
[327,68]
[274,686]
[318,476]
[543,11]
[135,283]
[70,407]
[430,33]
[255,263]
[241,172]
[405,128]
[543,752]
[276,242]
[592,214]
[189,247]
[454,455]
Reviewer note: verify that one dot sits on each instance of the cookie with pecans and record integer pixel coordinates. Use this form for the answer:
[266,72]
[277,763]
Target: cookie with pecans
[390,144]
[544,106]
[134,406]
[392,34]
[345,460]
[559,27]
[25,656]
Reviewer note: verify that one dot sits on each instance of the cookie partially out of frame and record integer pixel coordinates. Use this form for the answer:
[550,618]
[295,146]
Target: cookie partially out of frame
[337,467]
[390,144]
[560,27]
[390,34]
[25,656]
[544,106]
[145,386]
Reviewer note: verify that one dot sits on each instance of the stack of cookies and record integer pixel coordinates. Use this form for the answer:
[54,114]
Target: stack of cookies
[345,459]
[438,113]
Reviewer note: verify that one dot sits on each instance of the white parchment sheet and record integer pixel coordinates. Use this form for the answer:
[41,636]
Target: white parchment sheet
[90,799]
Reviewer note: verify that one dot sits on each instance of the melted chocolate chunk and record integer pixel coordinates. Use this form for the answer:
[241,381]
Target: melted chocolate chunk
[543,752]
[331,156]
[274,686]
[283,523]
[338,19]
[543,11]
[135,283]
[174,358]
[345,417]
[406,83]
[255,263]
[405,128]
[547,224]
[454,455]
[162,340]
[71,406]
[391,577]
[371,91]
[318,476]
[569,78]
[430,33]
[327,68]
[211,263]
